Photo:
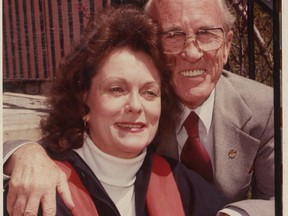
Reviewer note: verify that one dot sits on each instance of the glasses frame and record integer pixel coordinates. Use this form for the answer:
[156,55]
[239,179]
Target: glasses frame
[171,33]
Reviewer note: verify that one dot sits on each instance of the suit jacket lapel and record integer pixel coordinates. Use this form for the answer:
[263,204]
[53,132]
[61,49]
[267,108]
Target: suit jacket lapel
[233,147]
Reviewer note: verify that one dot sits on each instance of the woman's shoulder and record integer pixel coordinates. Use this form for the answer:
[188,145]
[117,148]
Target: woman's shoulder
[198,196]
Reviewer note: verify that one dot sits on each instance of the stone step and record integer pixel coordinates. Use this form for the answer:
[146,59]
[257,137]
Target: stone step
[21,116]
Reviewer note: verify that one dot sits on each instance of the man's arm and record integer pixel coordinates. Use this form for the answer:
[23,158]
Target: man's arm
[34,179]
[263,186]
[254,207]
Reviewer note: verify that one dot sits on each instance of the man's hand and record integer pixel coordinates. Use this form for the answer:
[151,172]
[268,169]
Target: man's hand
[34,179]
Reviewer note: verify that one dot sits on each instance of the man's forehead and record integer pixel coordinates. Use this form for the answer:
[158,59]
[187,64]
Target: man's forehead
[171,5]
[174,13]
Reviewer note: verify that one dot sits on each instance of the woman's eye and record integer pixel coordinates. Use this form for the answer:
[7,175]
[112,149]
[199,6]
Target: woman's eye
[116,90]
[151,94]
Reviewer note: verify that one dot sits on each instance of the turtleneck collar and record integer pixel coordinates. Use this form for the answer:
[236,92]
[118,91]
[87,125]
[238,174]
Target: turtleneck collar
[110,170]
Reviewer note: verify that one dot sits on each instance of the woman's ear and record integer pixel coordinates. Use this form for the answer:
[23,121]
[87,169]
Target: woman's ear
[85,96]
[86,121]
[86,117]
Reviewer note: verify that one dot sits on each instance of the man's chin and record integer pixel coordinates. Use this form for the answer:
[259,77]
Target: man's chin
[193,99]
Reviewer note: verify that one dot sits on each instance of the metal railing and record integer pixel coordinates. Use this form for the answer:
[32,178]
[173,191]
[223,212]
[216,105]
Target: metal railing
[37,33]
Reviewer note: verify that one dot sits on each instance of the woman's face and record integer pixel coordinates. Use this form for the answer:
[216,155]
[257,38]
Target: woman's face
[125,104]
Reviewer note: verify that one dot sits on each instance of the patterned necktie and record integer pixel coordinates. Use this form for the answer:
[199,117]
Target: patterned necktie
[194,154]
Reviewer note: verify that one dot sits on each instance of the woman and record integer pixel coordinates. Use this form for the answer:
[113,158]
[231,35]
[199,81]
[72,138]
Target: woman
[110,101]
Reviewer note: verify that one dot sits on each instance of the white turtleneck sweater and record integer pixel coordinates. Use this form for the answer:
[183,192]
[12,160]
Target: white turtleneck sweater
[117,175]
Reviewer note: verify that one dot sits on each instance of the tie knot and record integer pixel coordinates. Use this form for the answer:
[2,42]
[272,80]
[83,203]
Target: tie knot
[191,124]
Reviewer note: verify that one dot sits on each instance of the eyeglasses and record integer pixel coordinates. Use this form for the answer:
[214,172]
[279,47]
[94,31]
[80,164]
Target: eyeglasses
[205,39]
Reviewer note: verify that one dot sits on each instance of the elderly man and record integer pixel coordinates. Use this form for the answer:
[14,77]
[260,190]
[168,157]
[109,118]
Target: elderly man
[234,147]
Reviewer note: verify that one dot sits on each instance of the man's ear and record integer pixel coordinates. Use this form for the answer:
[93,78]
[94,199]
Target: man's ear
[227,45]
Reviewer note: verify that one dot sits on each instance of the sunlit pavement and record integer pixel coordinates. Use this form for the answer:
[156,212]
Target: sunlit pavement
[21,116]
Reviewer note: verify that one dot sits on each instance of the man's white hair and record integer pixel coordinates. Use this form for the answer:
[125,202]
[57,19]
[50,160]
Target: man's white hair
[228,17]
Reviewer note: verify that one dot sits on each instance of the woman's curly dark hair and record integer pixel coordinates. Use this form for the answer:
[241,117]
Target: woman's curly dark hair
[124,26]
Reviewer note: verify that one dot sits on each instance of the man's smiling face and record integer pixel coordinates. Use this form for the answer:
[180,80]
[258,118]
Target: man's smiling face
[194,72]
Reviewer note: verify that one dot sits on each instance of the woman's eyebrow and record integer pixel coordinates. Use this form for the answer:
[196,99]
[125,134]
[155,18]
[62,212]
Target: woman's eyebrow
[153,83]
[111,79]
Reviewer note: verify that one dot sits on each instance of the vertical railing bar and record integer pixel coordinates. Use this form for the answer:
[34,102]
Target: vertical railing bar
[44,73]
[65,23]
[20,70]
[38,37]
[251,44]
[60,22]
[92,7]
[99,6]
[57,36]
[30,34]
[34,30]
[6,58]
[70,22]
[81,14]
[50,38]
[278,115]
[27,42]
[76,21]
[13,75]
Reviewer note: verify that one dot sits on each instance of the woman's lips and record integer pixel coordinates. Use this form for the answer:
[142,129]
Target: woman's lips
[133,127]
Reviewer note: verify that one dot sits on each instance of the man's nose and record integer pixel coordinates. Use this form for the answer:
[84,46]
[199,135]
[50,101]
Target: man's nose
[191,51]
[134,104]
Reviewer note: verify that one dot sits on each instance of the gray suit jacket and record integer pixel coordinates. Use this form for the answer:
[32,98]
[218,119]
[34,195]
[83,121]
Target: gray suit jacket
[244,143]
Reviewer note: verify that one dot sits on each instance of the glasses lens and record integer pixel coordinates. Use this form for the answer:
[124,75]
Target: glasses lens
[210,39]
[173,42]
[205,39]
